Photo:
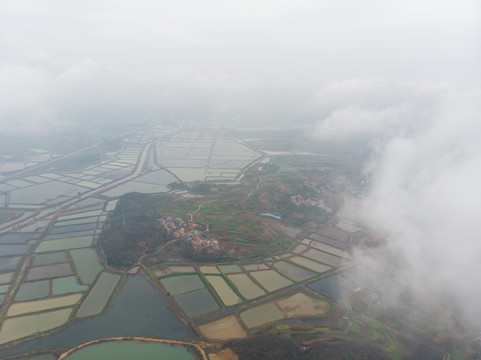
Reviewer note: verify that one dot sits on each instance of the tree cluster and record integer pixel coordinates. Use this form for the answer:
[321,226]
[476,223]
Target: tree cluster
[272,347]
[132,229]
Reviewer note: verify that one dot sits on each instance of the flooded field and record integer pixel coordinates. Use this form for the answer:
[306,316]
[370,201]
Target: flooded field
[327,240]
[300,304]
[299,249]
[270,280]
[89,220]
[225,328]
[330,249]
[67,285]
[181,269]
[330,286]
[127,350]
[312,265]
[159,177]
[40,193]
[9,263]
[8,250]
[189,174]
[72,228]
[41,305]
[135,186]
[99,295]
[22,326]
[5,278]
[69,235]
[229,269]
[138,309]
[209,269]
[17,238]
[247,288]
[65,244]
[336,233]
[254,267]
[181,284]
[196,303]
[293,272]
[323,257]
[50,258]
[223,290]
[261,315]
[87,264]
[33,290]
[49,271]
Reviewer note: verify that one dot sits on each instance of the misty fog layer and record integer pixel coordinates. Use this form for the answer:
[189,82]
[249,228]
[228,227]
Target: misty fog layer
[242,63]
[424,199]
[405,74]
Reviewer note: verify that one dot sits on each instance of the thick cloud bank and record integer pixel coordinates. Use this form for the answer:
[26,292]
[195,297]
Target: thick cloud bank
[425,198]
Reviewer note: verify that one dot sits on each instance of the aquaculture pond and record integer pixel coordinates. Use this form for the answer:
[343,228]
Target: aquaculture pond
[270,280]
[312,265]
[330,286]
[181,284]
[223,290]
[87,264]
[196,302]
[127,350]
[246,286]
[33,290]
[261,315]
[293,272]
[99,295]
[137,310]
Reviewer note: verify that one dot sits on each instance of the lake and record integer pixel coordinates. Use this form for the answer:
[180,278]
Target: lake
[137,310]
[127,350]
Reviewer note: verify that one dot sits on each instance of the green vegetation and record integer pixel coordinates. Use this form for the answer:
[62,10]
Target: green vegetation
[269,346]
[133,230]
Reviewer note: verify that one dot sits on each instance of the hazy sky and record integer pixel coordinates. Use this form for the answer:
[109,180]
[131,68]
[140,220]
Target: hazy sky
[241,62]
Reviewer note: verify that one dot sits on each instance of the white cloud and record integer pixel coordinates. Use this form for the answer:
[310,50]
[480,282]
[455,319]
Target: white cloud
[425,198]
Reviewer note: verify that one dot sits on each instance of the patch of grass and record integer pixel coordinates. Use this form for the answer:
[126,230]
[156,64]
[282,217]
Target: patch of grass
[456,355]
[354,327]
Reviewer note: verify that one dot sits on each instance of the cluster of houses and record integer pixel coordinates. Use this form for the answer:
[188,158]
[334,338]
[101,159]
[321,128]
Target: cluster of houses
[312,185]
[298,200]
[182,230]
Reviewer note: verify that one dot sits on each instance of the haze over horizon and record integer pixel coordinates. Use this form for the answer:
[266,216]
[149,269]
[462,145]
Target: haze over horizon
[404,75]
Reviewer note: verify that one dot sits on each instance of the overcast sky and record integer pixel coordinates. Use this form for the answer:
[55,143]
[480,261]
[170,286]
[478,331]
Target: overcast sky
[405,73]
[240,62]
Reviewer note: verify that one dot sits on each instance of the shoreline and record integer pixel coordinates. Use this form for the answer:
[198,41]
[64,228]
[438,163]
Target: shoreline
[199,352]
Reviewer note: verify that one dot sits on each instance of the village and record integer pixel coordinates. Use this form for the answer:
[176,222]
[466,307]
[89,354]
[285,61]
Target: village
[186,231]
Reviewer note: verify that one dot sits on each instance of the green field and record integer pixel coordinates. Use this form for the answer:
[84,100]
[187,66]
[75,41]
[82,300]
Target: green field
[65,244]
